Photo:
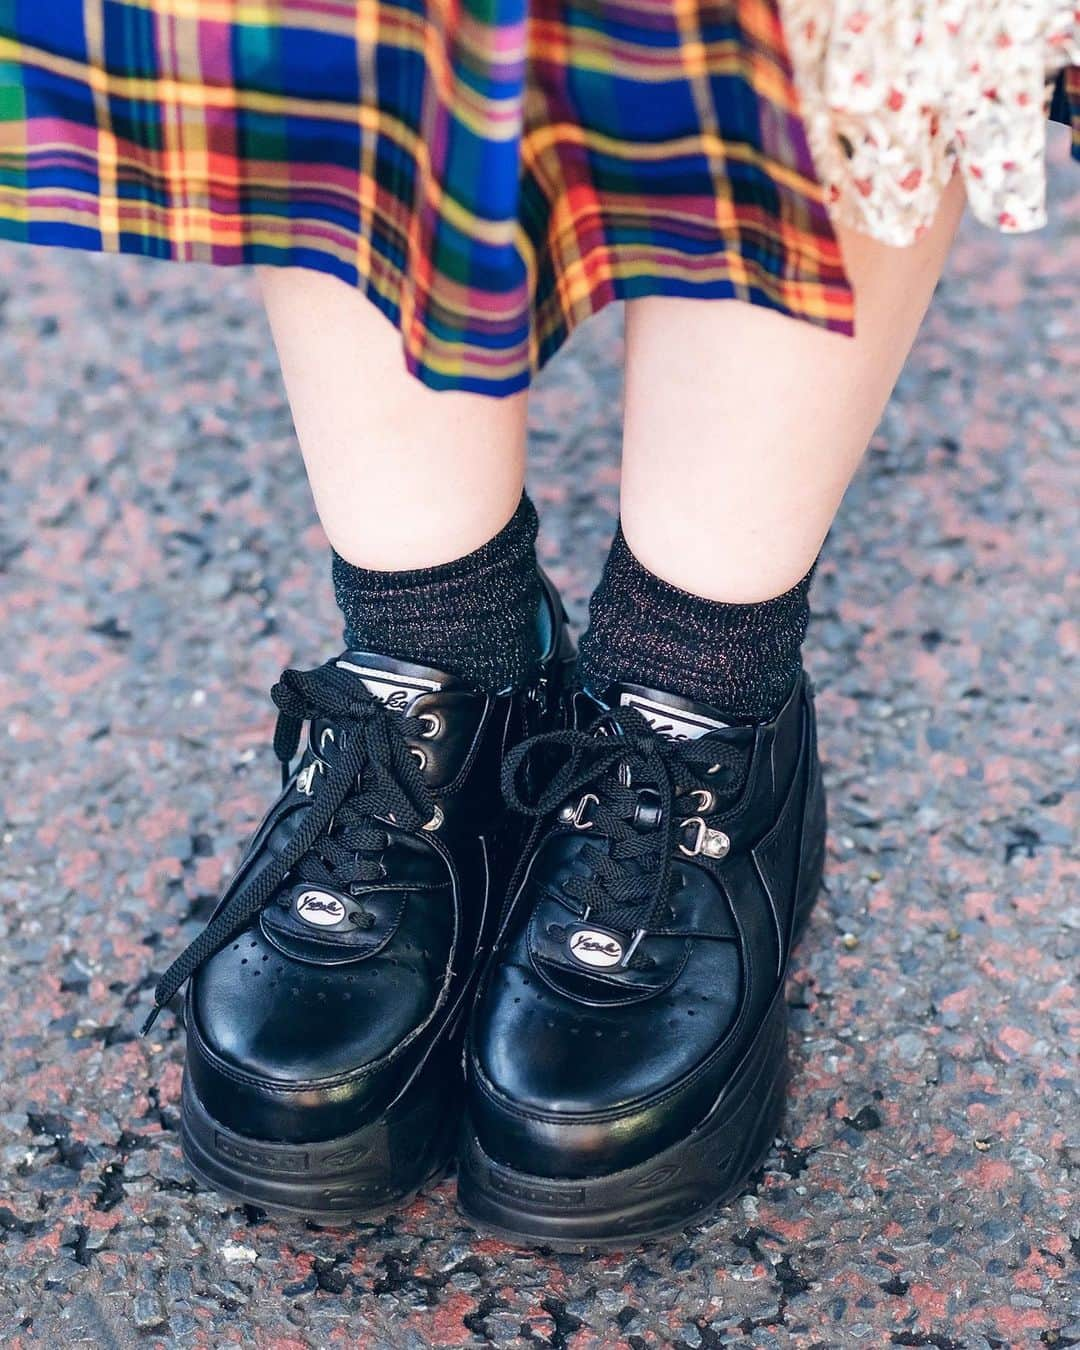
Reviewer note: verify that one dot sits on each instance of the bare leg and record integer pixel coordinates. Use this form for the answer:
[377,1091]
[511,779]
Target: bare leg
[403,477]
[744,427]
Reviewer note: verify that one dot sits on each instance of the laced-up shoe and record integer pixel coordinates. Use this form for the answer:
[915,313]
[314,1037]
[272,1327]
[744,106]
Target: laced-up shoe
[327,995]
[626,1060]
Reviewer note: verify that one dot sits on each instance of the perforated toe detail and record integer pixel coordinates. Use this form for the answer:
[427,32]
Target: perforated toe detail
[291,1023]
[585,1058]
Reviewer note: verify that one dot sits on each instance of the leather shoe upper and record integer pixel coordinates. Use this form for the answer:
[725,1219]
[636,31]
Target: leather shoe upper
[649,935]
[357,957]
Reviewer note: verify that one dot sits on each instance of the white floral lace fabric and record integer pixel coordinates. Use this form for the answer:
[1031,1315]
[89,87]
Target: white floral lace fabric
[898,95]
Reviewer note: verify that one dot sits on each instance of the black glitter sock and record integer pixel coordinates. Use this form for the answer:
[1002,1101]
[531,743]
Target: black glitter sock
[743,659]
[475,617]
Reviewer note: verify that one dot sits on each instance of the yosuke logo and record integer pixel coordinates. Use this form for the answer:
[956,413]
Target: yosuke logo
[320,908]
[591,948]
[394,689]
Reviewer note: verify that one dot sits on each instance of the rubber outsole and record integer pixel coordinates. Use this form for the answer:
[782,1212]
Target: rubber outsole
[365,1174]
[671,1190]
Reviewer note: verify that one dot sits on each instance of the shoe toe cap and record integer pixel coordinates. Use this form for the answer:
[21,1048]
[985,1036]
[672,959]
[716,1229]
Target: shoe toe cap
[280,1048]
[559,1087]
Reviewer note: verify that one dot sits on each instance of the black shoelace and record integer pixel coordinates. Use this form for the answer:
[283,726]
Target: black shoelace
[364,774]
[628,886]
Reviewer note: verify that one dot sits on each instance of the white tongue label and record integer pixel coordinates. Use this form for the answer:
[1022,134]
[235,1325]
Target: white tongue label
[675,723]
[396,691]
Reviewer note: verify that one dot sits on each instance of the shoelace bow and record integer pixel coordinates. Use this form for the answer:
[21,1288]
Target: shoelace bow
[369,774]
[630,870]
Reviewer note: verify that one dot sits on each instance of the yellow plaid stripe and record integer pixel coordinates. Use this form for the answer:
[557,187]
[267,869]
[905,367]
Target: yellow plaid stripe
[488,178]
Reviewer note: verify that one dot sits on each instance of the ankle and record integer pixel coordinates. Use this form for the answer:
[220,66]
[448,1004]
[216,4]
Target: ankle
[742,659]
[474,617]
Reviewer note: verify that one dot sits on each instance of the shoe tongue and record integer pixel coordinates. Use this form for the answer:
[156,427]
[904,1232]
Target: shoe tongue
[397,684]
[679,719]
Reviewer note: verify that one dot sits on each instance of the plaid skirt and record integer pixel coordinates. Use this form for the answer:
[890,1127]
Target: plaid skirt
[488,172]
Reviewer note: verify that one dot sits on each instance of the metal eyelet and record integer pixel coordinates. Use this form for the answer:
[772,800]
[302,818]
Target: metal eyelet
[435,822]
[327,735]
[432,723]
[712,843]
[703,799]
[419,755]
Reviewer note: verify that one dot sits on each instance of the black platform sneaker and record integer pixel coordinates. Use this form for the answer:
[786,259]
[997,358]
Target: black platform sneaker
[626,1059]
[328,994]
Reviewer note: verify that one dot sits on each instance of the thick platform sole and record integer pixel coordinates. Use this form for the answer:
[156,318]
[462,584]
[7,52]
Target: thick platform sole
[685,1183]
[377,1168]
[680,1186]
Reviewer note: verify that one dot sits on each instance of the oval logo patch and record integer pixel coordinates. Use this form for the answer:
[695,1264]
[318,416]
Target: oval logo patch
[319,908]
[593,948]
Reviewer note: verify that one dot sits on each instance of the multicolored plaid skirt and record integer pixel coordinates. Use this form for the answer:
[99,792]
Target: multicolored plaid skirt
[489,172]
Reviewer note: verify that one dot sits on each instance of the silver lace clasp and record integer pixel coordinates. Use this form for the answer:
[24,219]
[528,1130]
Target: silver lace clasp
[628,955]
[305,779]
[575,815]
[709,842]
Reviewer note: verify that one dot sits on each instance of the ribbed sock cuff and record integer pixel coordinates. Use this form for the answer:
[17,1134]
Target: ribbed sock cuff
[475,617]
[743,659]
